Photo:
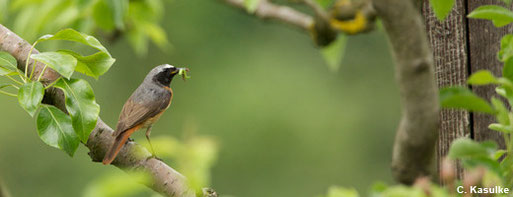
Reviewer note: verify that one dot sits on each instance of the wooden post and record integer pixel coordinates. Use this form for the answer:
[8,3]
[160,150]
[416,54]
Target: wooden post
[484,44]
[460,47]
[448,41]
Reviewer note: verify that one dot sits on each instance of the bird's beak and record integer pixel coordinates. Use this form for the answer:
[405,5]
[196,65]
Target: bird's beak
[180,70]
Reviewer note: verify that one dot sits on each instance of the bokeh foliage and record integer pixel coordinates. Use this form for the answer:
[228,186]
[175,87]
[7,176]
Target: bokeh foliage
[137,21]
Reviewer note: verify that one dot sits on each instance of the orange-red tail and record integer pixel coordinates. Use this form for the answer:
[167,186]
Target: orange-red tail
[116,146]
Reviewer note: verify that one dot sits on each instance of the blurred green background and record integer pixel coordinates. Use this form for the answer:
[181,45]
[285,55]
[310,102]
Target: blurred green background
[285,124]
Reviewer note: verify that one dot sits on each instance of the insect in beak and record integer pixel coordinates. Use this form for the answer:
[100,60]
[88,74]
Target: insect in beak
[183,72]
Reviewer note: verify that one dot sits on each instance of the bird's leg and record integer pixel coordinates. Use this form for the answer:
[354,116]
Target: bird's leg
[148,131]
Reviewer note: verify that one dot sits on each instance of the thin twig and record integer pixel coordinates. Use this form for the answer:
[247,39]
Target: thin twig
[41,74]
[51,84]
[268,10]
[32,72]
[28,59]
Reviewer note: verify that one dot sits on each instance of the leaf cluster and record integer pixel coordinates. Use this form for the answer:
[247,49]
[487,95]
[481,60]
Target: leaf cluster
[56,128]
[138,20]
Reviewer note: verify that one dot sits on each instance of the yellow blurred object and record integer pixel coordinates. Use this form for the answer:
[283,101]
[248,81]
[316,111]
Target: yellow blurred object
[356,25]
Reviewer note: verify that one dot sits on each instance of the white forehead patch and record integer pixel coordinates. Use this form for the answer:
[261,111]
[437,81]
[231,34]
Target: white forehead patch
[166,66]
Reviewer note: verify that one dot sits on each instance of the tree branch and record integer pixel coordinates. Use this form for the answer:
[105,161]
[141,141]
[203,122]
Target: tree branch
[417,133]
[324,26]
[268,10]
[132,156]
[3,190]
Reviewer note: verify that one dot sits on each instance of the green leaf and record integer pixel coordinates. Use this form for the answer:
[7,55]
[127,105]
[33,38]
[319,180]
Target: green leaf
[61,62]
[506,92]
[156,34]
[500,16]
[502,111]
[403,191]
[378,188]
[2,86]
[4,71]
[334,52]
[501,91]
[465,147]
[81,105]
[489,145]
[7,61]
[119,184]
[507,2]
[442,8]
[500,128]
[341,192]
[93,65]
[30,96]
[75,36]
[138,39]
[506,50]
[325,3]
[119,10]
[482,77]
[498,154]
[485,161]
[507,70]
[463,98]
[147,11]
[102,16]
[55,129]
[251,5]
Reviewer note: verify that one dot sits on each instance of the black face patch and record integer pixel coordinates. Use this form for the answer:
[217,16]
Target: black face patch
[165,76]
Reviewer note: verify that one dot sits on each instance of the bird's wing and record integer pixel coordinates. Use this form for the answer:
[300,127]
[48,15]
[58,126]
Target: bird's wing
[135,113]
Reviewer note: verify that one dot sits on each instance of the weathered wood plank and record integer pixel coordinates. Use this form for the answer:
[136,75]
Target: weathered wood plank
[484,43]
[448,41]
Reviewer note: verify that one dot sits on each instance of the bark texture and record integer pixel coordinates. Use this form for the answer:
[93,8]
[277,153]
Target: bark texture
[417,133]
[462,46]
[132,156]
[448,40]
[484,43]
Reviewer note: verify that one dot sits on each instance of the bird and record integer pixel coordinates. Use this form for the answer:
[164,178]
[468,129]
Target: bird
[144,107]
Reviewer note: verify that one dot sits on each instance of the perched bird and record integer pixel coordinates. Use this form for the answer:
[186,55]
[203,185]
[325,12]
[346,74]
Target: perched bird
[144,107]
